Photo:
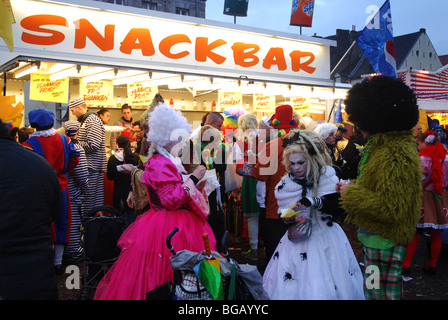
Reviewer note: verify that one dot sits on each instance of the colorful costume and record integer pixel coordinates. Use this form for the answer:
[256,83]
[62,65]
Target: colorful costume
[246,152]
[61,154]
[433,213]
[144,261]
[320,267]
[385,204]
[244,165]
[270,169]
[434,209]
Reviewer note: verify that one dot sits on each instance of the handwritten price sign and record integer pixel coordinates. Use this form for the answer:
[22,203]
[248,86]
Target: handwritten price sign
[97,92]
[301,104]
[263,103]
[139,95]
[42,89]
[229,99]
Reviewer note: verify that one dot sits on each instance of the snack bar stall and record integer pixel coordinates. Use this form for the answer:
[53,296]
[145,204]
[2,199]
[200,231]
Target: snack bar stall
[69,49]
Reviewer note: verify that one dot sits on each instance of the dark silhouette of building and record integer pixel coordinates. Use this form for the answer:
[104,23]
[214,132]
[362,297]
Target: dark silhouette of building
[193,8]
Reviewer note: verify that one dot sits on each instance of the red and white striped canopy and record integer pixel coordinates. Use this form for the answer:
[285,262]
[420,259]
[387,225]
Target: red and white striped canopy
[427,85]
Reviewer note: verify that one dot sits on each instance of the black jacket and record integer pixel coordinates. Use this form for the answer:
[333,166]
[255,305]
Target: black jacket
[30,200]
[122,181]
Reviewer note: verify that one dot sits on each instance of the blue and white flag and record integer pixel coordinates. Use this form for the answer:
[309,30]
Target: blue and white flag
[377,42]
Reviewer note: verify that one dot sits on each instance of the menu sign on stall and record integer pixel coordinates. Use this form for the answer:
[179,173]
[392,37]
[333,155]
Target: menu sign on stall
[263,103]
[43,89]
[97,92]
[140,95]
[229,99]
[301,104]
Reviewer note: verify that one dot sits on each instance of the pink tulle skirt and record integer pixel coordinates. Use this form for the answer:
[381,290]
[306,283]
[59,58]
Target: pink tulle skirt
[144,261]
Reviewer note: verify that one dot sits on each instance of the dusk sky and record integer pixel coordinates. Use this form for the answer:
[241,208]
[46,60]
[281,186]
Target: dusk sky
[408,16]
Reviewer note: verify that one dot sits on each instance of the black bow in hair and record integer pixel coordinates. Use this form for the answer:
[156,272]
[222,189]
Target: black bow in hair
[295,139]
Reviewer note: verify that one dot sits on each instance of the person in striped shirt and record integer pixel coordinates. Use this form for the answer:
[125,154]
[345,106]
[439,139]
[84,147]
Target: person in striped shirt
[91,137]
[77,186]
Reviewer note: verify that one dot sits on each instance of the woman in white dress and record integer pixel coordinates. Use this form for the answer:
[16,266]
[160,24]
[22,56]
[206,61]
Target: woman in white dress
[314,259]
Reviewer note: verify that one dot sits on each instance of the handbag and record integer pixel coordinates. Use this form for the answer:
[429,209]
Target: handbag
[300,230]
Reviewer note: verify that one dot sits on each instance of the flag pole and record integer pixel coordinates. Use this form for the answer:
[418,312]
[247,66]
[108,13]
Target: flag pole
[343,57]
[331,111]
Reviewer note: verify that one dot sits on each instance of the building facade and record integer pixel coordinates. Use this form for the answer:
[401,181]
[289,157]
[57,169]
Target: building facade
[416,51]
[193,8]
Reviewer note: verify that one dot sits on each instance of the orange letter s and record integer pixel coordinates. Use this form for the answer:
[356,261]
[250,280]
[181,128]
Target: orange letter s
[34,23]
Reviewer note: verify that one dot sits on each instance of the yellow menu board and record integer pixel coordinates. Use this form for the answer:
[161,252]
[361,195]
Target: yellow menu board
[140,95]
[43,89]
[229,99]
[263,103]
[300,104]
[97,92]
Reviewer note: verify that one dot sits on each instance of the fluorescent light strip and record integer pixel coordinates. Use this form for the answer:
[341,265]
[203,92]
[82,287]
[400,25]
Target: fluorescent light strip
[191,84]
[88,71]
[298,91]
[60,66]
[99,76]
[142,77]
[27,70]
[70,72]
[130,79]
[163,81]
[274,90]
[224,86]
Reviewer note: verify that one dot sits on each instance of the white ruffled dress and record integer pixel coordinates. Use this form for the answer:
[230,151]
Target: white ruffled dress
[323,267]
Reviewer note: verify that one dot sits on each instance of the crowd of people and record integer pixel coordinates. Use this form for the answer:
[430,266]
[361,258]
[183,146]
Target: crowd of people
[299,180]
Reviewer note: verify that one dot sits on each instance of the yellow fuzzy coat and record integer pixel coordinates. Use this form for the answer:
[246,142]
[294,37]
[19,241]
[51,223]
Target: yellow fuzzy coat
[387,199]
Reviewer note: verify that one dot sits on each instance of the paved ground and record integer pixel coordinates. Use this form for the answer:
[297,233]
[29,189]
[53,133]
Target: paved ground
[419,286]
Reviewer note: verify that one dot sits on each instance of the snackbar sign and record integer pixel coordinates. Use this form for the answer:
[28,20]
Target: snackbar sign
[146,39]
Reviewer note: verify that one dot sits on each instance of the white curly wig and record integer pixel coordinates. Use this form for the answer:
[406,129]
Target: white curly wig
[325,129]
[167,125]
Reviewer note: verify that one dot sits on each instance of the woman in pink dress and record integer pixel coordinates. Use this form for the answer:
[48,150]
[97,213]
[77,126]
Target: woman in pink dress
[144,261]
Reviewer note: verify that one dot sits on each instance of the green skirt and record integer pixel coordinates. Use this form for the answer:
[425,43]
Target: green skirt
[249,197]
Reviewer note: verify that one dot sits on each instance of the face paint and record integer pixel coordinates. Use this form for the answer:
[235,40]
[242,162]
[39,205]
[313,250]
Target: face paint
[298,164]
